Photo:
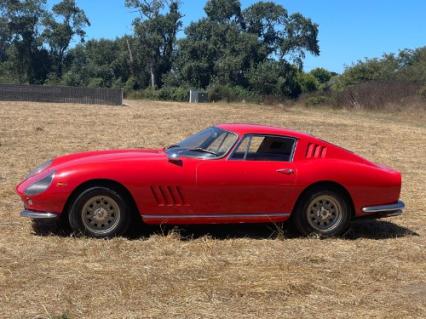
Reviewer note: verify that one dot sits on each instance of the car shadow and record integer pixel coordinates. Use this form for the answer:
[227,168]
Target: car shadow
[361,229]
[377,229]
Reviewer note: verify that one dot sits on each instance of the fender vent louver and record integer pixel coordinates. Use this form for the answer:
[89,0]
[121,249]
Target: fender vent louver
[168,195]
[315,151]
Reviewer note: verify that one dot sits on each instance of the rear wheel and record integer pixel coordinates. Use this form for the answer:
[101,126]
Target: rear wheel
[100,212]
[325,213]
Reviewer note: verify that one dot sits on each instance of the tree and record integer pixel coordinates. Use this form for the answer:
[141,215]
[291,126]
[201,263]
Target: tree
[224,11]
[58,34]
[156,32]
[275,78]
[235,47]
[98,63]
[4,36]
[300,35]
[216,48]
[308,82]
[23,19]
[322,75]
[283,36]
[266,20]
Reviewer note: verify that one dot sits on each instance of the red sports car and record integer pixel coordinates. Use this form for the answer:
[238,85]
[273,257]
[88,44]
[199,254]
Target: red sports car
[229,173]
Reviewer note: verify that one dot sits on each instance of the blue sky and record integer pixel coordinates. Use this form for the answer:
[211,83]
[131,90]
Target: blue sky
[349,30]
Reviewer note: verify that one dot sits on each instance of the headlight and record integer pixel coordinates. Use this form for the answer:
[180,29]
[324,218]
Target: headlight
[40,186]
[39,169]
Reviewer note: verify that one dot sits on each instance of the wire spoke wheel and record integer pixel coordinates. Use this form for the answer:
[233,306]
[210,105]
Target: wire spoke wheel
[100,214]
[324,213]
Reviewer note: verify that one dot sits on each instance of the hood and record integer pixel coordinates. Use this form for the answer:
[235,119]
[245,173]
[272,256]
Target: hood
[109,156]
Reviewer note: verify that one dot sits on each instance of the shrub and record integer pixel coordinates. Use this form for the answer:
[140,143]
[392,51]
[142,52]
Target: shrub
[135,95]
[130,85]
[95,83]
[150,94]
[228,93]
[318,100]
[322,75]
[180,94]
[376,94]
[308,82]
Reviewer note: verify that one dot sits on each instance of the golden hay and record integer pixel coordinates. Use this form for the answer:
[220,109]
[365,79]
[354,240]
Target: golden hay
[378,271]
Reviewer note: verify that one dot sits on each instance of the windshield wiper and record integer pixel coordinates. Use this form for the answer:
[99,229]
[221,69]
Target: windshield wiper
[200,149]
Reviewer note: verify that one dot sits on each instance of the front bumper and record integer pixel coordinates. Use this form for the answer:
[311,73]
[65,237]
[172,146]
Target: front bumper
[384,210]
[37,215]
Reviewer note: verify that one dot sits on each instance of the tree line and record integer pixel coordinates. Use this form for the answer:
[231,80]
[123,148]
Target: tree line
[258,50]
[235,53]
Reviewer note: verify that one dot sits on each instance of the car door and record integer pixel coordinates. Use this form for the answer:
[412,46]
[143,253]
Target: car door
[257,178]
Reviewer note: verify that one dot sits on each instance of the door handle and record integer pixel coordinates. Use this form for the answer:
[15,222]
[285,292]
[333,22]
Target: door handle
[286,171]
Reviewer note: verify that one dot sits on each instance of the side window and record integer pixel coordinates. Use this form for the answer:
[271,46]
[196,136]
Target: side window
[265,148]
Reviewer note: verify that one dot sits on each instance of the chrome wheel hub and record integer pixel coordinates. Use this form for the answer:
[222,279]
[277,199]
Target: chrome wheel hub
[324,213]
[100,214]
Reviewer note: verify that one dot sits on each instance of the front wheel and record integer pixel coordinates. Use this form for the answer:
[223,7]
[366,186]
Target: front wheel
[325,213]
[100,212]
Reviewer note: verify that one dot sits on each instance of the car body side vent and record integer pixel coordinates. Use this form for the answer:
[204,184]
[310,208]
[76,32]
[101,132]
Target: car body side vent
[315,151]
[168,195]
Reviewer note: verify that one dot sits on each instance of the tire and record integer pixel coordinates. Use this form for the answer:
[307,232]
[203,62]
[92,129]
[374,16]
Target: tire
[323,212]
[100,212]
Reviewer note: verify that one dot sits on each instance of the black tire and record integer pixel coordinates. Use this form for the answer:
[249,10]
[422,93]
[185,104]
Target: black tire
[100,212]
[322,212]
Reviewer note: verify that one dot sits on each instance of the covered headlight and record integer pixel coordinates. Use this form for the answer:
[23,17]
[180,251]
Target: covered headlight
[39,169]
[40,186]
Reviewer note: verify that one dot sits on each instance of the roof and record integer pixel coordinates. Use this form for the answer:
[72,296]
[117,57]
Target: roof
[244,128]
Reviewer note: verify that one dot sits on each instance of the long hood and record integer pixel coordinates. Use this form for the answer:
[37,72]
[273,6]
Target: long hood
[108,156]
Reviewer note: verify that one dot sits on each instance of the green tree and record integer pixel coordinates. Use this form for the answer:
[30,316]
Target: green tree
[23,19]
[287,37]
[216,48]
[58,34]
[275,78]
[322,75]
[370,70]
[223,11]
[4,36]
[308,82]
[156,33]
[407,65]
[98,63]
[412,65]
[235,47]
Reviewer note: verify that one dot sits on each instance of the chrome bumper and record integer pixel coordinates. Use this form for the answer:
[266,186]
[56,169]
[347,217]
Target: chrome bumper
[37,215]
[385,210]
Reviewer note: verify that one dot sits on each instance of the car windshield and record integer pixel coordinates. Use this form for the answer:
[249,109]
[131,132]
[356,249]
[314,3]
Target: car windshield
[211,142]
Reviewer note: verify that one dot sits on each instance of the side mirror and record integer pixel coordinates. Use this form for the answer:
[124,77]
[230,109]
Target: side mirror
[174,157]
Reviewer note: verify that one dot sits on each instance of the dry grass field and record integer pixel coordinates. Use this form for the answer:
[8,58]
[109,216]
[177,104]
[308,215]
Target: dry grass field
[377,271]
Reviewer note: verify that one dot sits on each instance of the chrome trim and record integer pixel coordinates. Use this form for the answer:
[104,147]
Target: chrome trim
[218,216]
[37,215]
[392,209]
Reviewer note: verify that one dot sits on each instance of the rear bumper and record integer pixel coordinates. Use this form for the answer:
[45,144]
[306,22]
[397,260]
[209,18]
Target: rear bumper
[37,215]
[384,210]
